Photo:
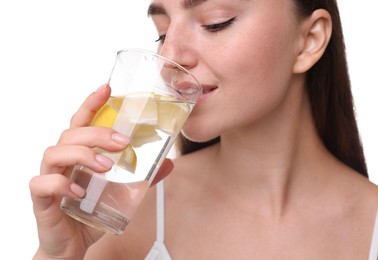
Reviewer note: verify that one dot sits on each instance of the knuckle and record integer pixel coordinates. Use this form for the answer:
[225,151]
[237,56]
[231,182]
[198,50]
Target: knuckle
[73,118]
[64,136]
[48,154]
[33,183]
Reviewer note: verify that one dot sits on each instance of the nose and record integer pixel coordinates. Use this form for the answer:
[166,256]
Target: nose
[177,47]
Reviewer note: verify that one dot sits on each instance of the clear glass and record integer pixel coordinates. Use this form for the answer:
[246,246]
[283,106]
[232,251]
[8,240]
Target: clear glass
[151,99]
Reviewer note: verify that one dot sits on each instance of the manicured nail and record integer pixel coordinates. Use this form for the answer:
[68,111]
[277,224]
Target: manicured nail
[77,190]
[121,139]
[104,161]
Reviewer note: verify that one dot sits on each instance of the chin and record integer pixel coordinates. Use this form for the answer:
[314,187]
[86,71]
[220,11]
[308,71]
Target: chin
[195,135]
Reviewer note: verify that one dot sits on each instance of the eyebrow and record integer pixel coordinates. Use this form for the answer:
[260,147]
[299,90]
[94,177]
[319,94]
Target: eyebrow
[155,9]
[187,4]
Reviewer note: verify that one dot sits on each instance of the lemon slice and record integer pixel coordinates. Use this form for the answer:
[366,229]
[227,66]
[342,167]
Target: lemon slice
[115,102]
[147,112]
[141,108]
[106,116]
[144,134]
[142,131]
[172,115]
[128,159]
[108,113]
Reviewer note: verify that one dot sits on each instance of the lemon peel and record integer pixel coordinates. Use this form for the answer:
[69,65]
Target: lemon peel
[106,117]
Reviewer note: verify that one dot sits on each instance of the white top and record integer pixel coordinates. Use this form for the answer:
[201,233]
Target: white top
[374,242]
[160,252]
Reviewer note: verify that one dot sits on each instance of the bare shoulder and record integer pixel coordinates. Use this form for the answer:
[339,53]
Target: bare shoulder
[359,199]
[362,189]
[372,191]
[370,194]
[357,193]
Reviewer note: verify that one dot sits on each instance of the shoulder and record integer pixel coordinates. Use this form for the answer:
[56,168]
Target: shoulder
[363,189]
[358,192]
[359,199]
[370,194]
[348,209]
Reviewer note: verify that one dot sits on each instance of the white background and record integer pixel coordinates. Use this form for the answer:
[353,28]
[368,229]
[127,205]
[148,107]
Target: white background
[54,53]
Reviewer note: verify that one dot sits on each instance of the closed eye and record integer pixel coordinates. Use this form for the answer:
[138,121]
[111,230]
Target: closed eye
[161,38]
[216,27]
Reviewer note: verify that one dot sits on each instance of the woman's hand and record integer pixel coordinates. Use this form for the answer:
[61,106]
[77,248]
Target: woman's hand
[61,236]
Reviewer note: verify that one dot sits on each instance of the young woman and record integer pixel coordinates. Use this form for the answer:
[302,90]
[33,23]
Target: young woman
[272,166]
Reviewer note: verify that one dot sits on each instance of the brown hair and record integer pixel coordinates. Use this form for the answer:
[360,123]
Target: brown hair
[330,95]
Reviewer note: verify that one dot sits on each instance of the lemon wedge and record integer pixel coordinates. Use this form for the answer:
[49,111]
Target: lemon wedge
[147,112]
[172,115]
[142,131]
[106,117]
[162,112]
[144,134]
[115,102]
[141,108]
[108,113]
[128,159]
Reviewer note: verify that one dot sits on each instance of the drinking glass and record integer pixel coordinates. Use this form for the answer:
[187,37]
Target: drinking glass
[151,98]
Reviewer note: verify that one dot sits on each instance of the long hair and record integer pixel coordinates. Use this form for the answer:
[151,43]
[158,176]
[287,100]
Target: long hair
[329,89]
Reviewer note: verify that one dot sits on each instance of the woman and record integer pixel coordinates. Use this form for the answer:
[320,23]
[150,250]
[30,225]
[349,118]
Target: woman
[272,165]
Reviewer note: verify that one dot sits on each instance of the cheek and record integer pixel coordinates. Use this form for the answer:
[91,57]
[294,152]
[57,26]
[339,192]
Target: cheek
[266,60]
[249,91]
[254,75]
[259,79]
[262,72]
[264,48]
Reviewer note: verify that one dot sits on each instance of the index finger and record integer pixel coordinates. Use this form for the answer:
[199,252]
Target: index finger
[91,105]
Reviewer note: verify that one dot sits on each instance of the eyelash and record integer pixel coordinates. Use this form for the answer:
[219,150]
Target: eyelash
[161,38]
[219,26]
[213,28]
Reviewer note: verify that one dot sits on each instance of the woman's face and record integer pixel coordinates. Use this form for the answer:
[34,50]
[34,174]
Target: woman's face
[241,51]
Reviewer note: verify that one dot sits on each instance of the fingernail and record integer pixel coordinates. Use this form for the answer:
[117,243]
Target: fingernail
[121,139]
[77,190]
[101,87]
[104,161]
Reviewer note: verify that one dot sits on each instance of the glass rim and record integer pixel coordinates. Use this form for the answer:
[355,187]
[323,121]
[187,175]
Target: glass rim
[140,50]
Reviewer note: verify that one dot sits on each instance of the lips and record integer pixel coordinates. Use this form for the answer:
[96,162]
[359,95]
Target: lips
[208,88]
[207,91]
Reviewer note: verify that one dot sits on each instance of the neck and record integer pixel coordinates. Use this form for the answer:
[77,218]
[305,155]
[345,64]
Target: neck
[274,159]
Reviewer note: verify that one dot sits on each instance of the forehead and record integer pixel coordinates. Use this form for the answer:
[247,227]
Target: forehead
[156,6]
[160,7]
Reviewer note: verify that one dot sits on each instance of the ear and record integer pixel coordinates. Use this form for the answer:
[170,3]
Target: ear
[316,33]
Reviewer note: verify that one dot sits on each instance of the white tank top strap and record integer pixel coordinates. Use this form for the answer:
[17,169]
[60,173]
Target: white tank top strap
[374,242]
[160,212]
[159,250]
